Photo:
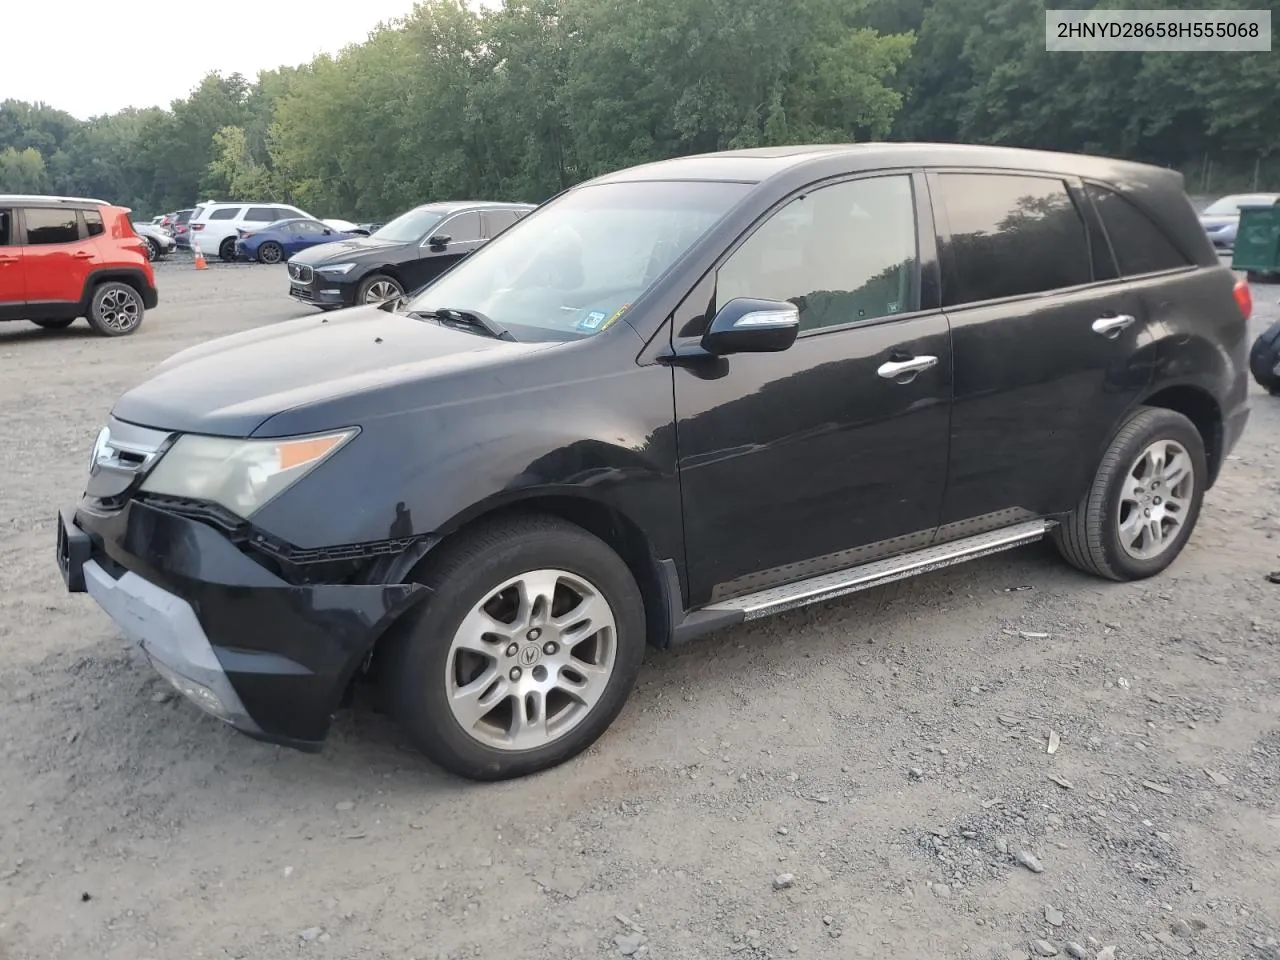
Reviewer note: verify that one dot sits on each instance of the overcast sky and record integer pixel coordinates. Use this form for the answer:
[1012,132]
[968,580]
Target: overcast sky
[89,57]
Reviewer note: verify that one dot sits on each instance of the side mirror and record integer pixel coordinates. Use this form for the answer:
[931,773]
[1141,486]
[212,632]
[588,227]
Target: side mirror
[746,325]
[439,240]
[328,232]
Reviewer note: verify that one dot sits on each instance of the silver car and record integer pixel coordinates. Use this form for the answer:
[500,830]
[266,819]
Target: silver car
[1221,218]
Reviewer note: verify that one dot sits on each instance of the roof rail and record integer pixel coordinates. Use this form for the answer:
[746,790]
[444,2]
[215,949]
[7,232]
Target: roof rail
[46,198]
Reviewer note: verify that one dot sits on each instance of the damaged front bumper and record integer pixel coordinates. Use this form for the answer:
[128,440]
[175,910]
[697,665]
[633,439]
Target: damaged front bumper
[269,657]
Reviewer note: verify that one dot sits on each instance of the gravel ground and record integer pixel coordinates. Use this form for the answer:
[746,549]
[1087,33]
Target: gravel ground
[1006,759]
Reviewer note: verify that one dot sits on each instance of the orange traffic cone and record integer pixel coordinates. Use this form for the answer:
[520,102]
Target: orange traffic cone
[200,264]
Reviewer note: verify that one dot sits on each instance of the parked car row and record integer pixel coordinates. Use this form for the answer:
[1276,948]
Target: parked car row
[217,225]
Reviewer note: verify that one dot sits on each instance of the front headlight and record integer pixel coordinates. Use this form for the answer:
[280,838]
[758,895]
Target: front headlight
[241,475]
[336,269]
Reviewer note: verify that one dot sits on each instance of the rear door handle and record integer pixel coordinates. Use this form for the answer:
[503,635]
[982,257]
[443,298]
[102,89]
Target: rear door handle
[897,368]
[82,254]
[1110,327]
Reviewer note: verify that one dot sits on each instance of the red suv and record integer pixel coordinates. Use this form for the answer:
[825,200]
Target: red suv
[66,257]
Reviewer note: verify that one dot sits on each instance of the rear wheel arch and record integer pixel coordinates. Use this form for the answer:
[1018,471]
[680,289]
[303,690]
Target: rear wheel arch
[1200,407]
[134,278]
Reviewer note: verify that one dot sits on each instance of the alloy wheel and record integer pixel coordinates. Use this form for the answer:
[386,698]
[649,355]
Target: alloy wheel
[119,309]
[269,253]
[381,290]
[530,661]
[1155,499]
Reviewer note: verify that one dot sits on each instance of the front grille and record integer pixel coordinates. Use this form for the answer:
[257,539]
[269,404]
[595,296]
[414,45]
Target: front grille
[301,273]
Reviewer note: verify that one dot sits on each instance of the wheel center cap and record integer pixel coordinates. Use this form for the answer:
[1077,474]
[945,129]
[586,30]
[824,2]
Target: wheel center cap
[530,655]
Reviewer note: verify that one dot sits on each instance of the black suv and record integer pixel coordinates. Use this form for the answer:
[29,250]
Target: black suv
[671,399]
[400,256]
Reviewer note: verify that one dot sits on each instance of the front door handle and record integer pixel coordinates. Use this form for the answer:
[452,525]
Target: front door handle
[897,368]
[1110,327]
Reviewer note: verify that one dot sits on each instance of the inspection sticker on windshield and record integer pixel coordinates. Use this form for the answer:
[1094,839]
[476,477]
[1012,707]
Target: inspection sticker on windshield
[592,320]
[616,314]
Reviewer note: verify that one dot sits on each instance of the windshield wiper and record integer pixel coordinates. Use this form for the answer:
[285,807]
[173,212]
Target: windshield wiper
[468,318]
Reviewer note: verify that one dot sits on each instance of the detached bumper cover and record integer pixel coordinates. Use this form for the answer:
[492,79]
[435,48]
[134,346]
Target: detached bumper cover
[271,658]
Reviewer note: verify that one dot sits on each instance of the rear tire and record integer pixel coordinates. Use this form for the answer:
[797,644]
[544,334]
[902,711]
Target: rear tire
[544,684]
[227,250]
[1144,501]
[116,309]
[270,252]
[61,324]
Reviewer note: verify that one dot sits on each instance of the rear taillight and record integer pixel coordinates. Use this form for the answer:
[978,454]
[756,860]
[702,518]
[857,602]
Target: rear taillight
[1244,297]
[197,226]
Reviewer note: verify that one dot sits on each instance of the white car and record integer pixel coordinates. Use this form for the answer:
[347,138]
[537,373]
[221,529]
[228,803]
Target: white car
[215,225]
[345,226]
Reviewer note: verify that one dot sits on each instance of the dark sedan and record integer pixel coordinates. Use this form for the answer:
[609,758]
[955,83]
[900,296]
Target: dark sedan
[402,256]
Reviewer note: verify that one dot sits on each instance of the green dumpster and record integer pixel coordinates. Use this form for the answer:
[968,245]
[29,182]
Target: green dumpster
[1258,242]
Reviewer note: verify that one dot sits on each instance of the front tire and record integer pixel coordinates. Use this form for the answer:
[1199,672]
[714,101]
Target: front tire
[524,654]
[270,252]
[115,310]
[379,288]
[1144,501]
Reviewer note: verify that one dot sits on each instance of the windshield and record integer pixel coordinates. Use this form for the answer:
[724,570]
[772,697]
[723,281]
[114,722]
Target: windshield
[411,226]
[573,267]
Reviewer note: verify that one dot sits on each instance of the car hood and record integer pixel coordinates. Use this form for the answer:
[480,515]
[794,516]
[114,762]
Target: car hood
[1218,220]
[231,386]
[353,248]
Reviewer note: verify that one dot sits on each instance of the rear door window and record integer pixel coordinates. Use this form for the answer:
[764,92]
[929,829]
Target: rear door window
[1009,236]
[461,228]
[226,213]
[47,226]
[495,221]
[262,215]
[1140,246]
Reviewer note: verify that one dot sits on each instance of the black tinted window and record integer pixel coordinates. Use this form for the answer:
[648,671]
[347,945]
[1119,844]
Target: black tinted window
[51,226]
[1140,246]
[285,213]
[1010,236]
[226,213]
[461,228]
[842,253]
[6,228]
[498,220]
[93,222]
[262,215]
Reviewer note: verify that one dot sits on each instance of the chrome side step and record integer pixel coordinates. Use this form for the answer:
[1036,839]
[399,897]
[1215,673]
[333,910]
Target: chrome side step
[764,603]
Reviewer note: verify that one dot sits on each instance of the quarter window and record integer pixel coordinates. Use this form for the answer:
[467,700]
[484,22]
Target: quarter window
[46,226]
[93,222]
[1010,236]
[1140,246]
[842,254]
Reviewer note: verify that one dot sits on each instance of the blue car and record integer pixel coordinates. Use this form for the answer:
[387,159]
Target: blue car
[282,239]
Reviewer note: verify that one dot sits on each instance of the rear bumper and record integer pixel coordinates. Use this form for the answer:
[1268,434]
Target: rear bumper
[1233,424]
[270,658]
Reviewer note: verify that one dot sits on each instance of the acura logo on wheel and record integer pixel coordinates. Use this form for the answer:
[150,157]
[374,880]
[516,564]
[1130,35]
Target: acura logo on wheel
[529,655]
